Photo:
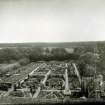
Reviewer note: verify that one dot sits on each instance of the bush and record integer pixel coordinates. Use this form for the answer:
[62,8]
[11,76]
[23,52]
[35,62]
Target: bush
[8,68]
[24,61]
[11,66]
[16,94]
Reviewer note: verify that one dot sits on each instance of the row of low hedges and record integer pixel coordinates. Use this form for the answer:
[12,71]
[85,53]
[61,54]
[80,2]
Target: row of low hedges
[24,100]
[33,101]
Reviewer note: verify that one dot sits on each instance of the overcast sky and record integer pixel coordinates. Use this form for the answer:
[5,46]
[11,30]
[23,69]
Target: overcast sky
[52,20]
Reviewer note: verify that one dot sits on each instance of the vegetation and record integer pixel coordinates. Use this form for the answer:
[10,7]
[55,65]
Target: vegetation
[87,64]
[17,64]
[84,55]
[6,68]
[25,55]
[16,94]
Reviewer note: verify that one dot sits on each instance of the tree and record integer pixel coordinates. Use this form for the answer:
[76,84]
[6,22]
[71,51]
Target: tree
[36,54]
[87,64]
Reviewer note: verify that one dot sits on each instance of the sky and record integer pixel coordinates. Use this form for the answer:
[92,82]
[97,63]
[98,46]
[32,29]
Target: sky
[52,20]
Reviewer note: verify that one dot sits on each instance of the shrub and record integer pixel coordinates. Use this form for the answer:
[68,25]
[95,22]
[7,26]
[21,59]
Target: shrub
[24,61]
[16,94]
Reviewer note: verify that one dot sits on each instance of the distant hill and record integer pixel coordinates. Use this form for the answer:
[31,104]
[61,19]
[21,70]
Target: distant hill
[59,44]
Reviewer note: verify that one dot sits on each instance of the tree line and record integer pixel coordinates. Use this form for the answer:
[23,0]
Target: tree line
[9,55]
[86,57]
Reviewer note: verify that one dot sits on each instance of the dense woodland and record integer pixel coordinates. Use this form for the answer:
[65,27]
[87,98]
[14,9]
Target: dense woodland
[8,55]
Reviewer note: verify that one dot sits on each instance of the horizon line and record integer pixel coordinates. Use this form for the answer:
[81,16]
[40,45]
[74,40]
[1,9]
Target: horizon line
[52,42]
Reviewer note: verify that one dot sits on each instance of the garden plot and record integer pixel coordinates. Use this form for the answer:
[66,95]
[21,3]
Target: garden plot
[50,95]
[47,81]
[33,82]
[71,70]
[58,69]
[74,83]
[55,83]
[20,73]
[41,71]
[43,68]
